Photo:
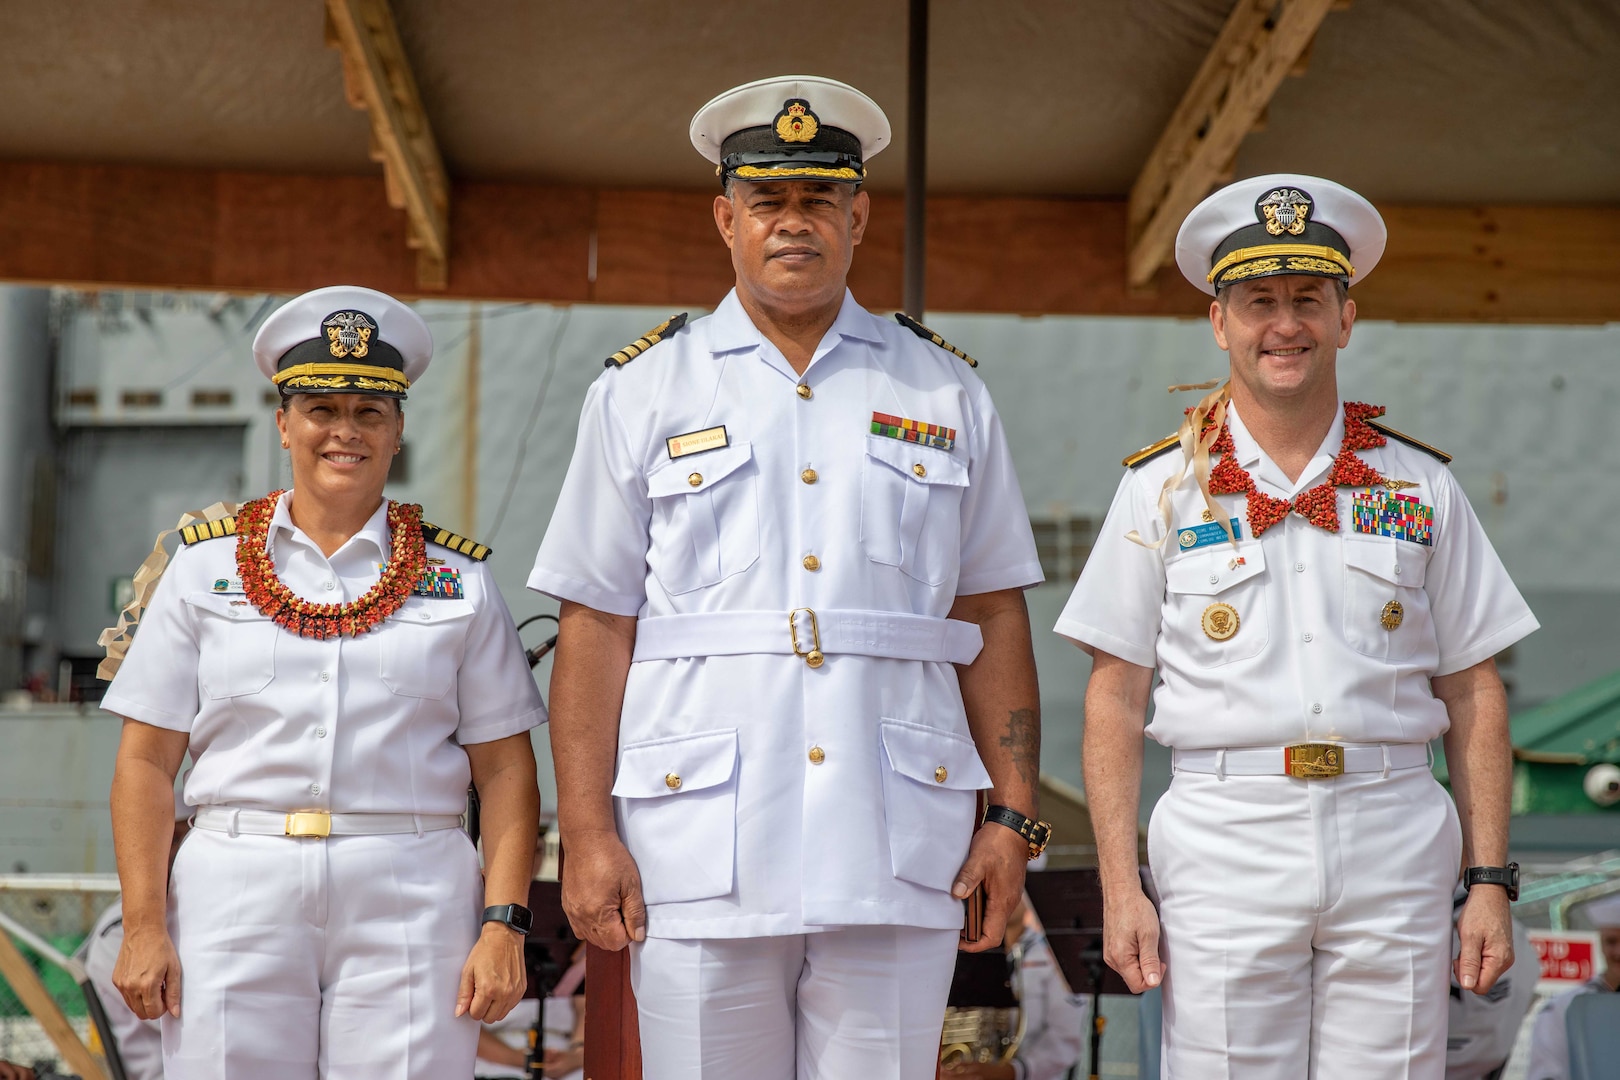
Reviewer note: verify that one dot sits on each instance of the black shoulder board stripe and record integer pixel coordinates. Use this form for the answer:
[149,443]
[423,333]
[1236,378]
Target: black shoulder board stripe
[928,335]
[454,541]
[208,530]
[646,341]
[1151,451]
[1409,441]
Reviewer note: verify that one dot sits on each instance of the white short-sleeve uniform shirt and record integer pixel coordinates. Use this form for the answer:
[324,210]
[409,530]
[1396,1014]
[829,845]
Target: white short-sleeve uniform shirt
[366,724]
[1311,658]
[807,797]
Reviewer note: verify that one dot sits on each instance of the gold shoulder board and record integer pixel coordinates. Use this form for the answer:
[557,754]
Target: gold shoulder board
[1409,441]
[208,530]
[1151,451]
[454,541]
[928,335]
[646,341]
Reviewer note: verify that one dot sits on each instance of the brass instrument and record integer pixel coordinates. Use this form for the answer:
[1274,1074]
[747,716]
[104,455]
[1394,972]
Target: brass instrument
[980,1034]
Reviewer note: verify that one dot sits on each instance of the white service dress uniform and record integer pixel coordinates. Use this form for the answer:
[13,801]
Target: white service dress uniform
[1055,1017]
[1549,1032]
[140,1042]
[1306,923]
[338,957]
[766,796]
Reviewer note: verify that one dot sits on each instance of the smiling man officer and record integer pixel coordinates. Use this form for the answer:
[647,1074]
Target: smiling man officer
[791,553]
[1319,603]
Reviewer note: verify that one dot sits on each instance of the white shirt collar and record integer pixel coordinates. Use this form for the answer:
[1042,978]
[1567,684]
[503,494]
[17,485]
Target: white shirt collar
[733,330]
[374,531]
[1249,454]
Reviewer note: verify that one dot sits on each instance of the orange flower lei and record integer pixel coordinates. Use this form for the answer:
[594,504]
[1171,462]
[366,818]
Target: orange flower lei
[1319,505]
[406,562]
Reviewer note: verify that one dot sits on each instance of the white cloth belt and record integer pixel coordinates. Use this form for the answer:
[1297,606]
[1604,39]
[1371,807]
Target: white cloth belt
[235,821]
[861,633]
[1272,760]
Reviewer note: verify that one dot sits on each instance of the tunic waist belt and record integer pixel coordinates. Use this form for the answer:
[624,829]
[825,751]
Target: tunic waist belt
[1273,760]
[831,631]
[317,823]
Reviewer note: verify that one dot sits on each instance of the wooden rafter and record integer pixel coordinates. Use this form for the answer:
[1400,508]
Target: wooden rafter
[1262,42]
[377,78]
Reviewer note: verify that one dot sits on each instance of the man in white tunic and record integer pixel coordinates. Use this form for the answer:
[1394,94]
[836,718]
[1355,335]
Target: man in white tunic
[1319,601]
[1549,1036]
[791,553]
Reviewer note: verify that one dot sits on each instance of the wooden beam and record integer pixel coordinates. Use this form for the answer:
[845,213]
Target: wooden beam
[612,1027]
[99,226]
[1261,43]
[30,990]
[377,78]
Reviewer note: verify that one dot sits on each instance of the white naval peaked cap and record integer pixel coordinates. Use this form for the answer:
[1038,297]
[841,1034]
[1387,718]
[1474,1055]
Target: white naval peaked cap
[1604,912]
[343,339]
[1280,223]
[791,127]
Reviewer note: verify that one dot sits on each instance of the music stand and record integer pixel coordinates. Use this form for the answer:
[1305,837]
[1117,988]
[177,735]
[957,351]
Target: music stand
[1069,905]
[547,952]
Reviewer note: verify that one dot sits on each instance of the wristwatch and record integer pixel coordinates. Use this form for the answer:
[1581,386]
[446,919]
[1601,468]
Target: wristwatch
[516,916]
[1505,876]
[1036,832]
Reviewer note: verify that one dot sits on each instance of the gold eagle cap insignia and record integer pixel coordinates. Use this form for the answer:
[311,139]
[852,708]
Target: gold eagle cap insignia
[796,123]
[348,333]
[1285,210]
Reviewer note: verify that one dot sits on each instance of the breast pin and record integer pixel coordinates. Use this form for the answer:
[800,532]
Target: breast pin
[1392,615]
[1220,621]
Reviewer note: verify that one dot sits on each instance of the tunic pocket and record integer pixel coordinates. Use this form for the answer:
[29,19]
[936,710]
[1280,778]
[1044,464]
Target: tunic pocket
[1386,611]
[420,646]
[929,801]
[1214,610]
[676,801]
[911,499]
[705,519]
[236,645]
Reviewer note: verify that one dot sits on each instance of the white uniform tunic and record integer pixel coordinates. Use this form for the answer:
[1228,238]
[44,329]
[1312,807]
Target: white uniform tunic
[339,956]
[1055,1019]
[807,798]
[1305,922]
[1549,1035]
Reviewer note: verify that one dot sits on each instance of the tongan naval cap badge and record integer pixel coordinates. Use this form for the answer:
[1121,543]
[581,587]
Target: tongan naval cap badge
[796,123]
[1284,210]
[348,333]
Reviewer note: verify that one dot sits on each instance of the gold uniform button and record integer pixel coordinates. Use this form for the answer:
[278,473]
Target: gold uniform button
[804,391]
[940,775]
[695,479]
[920,469]
[672,781]
[811,563]
[809,476]
[817,755]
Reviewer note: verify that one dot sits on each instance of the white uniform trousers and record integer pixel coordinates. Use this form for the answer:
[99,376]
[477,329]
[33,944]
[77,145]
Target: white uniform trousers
[338,958]
[856,1003]
[1306,925]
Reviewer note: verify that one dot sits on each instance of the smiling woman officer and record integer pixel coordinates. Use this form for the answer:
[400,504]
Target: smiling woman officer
[338,670]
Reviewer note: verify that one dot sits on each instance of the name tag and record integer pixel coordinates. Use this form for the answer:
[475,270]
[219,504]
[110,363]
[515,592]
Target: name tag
[1210,532]
[695,442]
[228,585]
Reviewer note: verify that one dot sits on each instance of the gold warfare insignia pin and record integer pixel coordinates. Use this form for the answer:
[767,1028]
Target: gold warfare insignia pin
[1220,621]
[796,123]
[348,333]
[1285,210]
[1392,616]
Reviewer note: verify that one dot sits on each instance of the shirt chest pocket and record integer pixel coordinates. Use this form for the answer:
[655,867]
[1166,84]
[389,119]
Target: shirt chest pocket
[237,645]
[705,518]
[911,507]
[1386,611]
[421,645]
[1215,604]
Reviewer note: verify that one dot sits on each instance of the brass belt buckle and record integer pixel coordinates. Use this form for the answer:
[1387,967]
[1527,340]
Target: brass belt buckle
[1313,760]
[308,823]
[814,657]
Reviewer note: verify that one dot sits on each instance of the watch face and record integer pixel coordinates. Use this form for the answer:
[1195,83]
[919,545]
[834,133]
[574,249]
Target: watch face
[521,918]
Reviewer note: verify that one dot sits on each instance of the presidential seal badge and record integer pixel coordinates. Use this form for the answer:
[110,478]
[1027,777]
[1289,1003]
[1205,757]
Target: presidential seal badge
[1284,210]
[796,123]
[1392,616]
[1220,622]
[348,333]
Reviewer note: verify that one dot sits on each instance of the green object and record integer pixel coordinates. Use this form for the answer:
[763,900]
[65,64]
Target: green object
[1556,743]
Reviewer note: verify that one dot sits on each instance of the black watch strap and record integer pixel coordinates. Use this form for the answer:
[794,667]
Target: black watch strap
[516,916]
[1505,876]
[1036,832]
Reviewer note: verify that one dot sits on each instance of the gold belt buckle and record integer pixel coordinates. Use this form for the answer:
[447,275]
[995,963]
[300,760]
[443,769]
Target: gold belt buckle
[1313,760]
[814,657]
[309,823]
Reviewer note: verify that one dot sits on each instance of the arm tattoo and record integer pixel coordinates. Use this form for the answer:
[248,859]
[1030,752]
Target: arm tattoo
[1023,738]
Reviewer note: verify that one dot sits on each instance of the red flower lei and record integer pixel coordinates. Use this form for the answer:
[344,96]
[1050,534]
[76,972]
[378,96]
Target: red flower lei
[1319,505]
[265,591]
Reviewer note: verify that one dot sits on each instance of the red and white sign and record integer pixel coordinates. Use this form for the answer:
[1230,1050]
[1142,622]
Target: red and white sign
[1568,957]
